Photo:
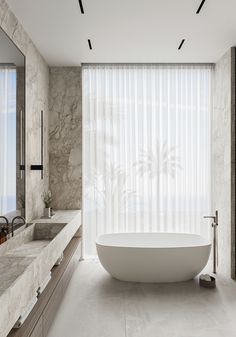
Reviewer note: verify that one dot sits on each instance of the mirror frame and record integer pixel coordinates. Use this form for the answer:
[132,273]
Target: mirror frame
[23,127]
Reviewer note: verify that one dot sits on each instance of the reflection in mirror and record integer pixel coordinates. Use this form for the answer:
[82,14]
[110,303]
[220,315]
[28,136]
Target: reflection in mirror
[12,129]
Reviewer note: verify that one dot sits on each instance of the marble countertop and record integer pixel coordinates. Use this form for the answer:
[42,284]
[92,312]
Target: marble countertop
[59,217]
[25,262]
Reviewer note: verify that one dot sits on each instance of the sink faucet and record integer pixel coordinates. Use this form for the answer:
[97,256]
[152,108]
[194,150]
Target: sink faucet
[13,220]
[4,218]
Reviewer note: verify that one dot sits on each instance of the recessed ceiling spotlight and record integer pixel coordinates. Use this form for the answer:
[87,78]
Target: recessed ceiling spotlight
[90,44]
[200,7]
[181,44]
[81,6]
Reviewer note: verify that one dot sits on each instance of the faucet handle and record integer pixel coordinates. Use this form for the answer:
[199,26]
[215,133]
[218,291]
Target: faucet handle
[214,217]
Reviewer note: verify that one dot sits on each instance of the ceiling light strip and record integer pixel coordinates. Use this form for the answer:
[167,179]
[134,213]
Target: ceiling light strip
[90,44]
[200,7]
[81,6]
[181,44]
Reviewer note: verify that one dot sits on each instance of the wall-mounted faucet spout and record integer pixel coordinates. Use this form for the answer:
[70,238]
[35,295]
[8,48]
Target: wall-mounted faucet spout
[13,221]
[215,239]
[5,219]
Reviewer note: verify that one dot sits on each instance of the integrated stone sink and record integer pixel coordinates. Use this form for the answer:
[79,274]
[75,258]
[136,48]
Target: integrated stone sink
[21,250]
[36,239]
[11,268]
[29,249]
[26,261]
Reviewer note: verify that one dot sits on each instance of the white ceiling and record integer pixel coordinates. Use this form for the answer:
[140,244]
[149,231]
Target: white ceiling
[128,30]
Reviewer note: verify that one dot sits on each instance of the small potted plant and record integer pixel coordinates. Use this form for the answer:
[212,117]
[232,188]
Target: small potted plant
[47,199]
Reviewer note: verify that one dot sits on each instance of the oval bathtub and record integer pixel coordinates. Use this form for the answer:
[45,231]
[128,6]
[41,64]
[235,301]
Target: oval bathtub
[153,257]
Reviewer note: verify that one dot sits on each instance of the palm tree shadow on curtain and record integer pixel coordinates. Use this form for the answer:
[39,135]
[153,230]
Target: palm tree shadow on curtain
[156,163]
[162,161]
[111,188]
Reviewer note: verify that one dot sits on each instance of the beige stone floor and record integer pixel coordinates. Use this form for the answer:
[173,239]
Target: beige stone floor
[95,305]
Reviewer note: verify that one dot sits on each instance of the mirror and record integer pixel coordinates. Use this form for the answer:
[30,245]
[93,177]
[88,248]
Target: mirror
[12,129]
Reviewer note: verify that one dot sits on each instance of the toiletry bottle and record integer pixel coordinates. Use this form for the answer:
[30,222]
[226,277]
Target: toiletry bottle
[3,235]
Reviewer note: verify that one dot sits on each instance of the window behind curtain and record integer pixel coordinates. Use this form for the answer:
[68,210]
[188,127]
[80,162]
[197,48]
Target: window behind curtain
[7,139]
[146,149]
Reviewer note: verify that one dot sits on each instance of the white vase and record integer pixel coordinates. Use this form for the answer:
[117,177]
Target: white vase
[47,213]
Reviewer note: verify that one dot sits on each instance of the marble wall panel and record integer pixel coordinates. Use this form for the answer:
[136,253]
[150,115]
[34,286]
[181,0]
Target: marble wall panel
[65,134]
[221,157]
[37,88]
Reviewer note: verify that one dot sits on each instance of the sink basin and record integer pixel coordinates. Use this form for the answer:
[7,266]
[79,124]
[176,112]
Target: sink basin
[45,231]
[26,261]
[39,236]
[22,249]
[11,268]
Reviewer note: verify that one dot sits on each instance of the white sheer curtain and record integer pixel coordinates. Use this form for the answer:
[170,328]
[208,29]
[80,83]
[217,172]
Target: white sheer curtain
[146,149]
[7,139]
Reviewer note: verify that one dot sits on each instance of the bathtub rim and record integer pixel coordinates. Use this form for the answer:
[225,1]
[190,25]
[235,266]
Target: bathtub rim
[205,242]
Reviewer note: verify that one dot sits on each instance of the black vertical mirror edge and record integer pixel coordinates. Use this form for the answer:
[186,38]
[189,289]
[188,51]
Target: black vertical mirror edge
[233,166]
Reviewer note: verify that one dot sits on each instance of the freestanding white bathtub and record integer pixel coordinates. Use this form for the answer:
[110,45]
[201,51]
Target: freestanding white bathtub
[153,257]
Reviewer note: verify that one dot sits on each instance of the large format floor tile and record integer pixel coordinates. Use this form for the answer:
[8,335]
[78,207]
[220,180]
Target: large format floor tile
[95,305]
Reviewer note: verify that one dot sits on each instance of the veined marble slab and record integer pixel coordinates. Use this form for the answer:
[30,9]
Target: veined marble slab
[26,260]
[29,249]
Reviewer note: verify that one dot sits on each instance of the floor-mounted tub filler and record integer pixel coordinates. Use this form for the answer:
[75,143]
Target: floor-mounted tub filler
[153,257]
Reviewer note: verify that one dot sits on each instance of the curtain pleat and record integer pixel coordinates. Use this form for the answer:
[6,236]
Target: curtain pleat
[146,149]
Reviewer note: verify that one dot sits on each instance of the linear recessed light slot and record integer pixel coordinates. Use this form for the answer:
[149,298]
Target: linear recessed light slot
[90,44]
[181,44]
[200,7]
[81,6]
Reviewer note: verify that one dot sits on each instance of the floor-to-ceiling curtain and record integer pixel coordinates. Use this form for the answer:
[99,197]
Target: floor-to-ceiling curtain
[146,149]
[7,139]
